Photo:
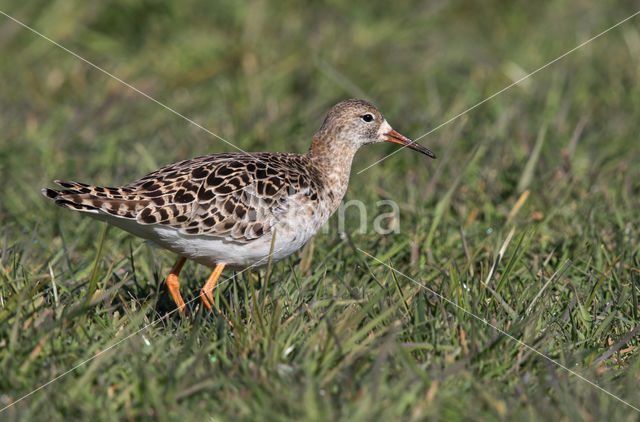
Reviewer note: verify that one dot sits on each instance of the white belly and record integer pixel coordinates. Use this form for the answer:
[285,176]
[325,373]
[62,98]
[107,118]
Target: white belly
[210,251]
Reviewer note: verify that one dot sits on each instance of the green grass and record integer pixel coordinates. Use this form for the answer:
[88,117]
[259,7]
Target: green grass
[330,333]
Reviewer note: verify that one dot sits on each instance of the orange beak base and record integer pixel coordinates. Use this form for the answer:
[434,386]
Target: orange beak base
[398,138]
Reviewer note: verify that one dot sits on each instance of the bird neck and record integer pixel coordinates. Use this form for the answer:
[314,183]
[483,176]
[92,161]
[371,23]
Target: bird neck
[333,160]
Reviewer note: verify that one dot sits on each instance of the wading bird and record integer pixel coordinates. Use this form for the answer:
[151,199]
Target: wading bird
[223,210]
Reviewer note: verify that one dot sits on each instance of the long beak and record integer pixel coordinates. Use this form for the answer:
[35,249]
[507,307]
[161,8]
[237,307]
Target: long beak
[399,138]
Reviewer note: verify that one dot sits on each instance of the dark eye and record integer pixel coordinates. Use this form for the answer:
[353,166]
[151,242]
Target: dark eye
[367,117]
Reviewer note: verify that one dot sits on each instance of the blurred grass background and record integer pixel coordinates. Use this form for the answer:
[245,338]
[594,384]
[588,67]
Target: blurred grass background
[329,333]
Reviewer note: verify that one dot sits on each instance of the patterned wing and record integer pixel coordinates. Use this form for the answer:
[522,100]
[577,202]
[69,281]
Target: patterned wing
[236,196]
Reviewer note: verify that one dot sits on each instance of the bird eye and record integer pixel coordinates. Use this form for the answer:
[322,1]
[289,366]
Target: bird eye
[367,117]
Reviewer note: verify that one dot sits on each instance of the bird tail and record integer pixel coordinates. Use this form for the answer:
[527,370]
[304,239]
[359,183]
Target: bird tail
[95,199]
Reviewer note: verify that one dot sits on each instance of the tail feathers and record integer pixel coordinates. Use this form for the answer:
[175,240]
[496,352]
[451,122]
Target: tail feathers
[94,199]
[99,191]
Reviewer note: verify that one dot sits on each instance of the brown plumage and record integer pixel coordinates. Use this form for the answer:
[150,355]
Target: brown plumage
[224,209]
[235,196]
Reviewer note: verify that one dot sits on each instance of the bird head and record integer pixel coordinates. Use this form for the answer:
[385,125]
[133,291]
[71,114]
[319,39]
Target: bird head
[353,123]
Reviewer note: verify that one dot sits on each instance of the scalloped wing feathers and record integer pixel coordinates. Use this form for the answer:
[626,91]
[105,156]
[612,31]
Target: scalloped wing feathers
[235,196]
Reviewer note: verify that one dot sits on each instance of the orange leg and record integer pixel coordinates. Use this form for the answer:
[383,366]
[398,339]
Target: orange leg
[205,292]
[174,285]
